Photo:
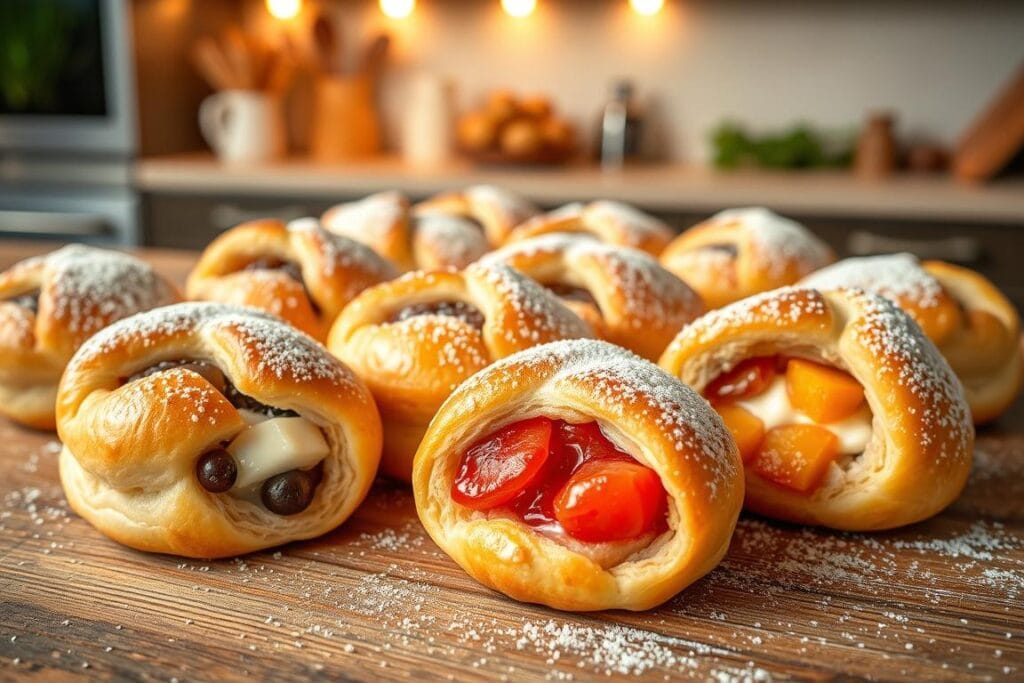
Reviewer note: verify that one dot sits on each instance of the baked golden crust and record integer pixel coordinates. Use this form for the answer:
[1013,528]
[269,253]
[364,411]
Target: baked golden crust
[412,365]
[428,240]
[80,291]
[497,210]
[611,222]
[741,252]
[920,452]
[333,270]
[655,418]
[971,322]
[637,304]
[130,449]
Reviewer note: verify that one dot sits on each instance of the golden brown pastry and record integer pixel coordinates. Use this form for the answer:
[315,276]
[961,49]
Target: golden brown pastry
[623,293]
[975,327]
[740,252]
[415,339]
[579,476]
[299,271]
[611,222]
[496,210]
[206,430]
[49,305]
[845,414]
[429,240]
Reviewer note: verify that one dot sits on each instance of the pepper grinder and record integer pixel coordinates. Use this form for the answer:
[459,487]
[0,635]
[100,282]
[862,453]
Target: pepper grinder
[620,128]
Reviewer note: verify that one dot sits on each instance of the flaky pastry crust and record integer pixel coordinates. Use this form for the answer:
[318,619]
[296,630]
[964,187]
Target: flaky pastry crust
[920,452]
[130,449]
[497,210]
[647,413]
[611,222]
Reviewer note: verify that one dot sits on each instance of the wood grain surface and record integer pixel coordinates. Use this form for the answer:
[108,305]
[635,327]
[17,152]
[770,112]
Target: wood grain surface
[375,599]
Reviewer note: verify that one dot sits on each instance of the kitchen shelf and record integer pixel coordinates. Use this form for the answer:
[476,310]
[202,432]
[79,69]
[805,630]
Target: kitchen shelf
[678,188]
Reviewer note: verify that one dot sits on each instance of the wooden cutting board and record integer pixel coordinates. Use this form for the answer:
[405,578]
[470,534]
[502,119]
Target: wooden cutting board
[375,599]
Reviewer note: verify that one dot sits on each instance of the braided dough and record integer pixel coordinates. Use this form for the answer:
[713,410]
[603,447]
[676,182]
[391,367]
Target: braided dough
[497,210]
[634,302]
[413,364]
[243,267]
[428,240]
[740,252]
[49,305]
[131,448]
[611,222]
[647,413]
[974,325]
[920,450]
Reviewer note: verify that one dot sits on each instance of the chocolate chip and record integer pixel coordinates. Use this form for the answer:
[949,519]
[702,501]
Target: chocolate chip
[28,300]
[291,492]
[571,293]
[468,313]
[216,471]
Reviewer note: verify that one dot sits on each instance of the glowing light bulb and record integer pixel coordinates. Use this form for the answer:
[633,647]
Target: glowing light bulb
[648,8]
[519,8]
[284,9]
[397,9]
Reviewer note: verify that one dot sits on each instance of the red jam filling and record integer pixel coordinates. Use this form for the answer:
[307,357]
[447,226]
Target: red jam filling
[562,477]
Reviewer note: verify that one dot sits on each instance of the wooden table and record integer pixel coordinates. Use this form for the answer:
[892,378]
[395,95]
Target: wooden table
[375,599]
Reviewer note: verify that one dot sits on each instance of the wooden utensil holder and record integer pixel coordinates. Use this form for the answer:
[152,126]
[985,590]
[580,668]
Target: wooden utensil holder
[345,124]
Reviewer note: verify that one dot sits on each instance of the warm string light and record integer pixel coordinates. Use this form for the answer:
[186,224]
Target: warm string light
[284,9]
[397,9]
[519,8]
[647,8]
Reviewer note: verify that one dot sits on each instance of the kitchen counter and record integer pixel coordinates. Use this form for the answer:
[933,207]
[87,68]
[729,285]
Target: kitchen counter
[658,188]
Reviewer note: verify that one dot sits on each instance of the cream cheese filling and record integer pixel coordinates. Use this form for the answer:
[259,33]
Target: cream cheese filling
[271,446]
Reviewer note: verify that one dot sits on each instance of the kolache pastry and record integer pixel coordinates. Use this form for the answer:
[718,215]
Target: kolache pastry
[49,305]
[208,430]
[496,210]
[611,222]
[299,271]
[624,294]
[974,325]
[740,252]
[414,339]
[426,240]
[579,476]
[845,414]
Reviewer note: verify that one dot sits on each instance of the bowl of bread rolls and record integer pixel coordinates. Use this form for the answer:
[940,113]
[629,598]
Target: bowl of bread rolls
[512,129]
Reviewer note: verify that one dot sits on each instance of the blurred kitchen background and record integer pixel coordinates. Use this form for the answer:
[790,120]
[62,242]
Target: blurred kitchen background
[883,126]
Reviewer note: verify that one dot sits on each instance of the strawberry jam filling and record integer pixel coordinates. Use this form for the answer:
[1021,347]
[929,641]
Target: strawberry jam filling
[562,478]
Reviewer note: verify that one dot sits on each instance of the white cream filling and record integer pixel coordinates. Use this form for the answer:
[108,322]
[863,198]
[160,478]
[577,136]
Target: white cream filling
[275,445]
[773,408]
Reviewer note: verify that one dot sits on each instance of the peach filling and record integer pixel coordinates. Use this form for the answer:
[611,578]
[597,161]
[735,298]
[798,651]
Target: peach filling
[791,418]
[562,478]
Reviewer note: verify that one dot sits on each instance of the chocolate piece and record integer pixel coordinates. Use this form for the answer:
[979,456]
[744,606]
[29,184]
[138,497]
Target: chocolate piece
[291,492]
[468,313]
[571,293]
[29,300]
[216,471]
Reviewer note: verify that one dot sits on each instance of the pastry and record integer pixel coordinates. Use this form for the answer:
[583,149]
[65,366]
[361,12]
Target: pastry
[299,271]
[208,430]
[496,210]
[975,327]
[740,252]
[844,413]
[579,476]
[612,222]
[430,240]
[49,305]
[414,339]
[623,293]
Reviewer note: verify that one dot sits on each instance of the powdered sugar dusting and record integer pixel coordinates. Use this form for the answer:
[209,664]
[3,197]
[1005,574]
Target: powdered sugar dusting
[778,240]
[895,276]
[512,208]
[367,219]
[630,217]
[342,253]
[449,240]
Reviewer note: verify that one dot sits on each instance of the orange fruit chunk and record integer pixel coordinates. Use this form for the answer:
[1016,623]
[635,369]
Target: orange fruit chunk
[747,430]
[825,394]
[796,455]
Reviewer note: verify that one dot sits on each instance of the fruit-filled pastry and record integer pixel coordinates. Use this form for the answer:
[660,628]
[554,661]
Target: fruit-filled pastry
[623,293]
[415,339]
[496,210]
[845,414]
[49,305]
[579,476]
[974,325]
[207,430]
[299,271]
[740,252]
[611,222]
[426,240]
